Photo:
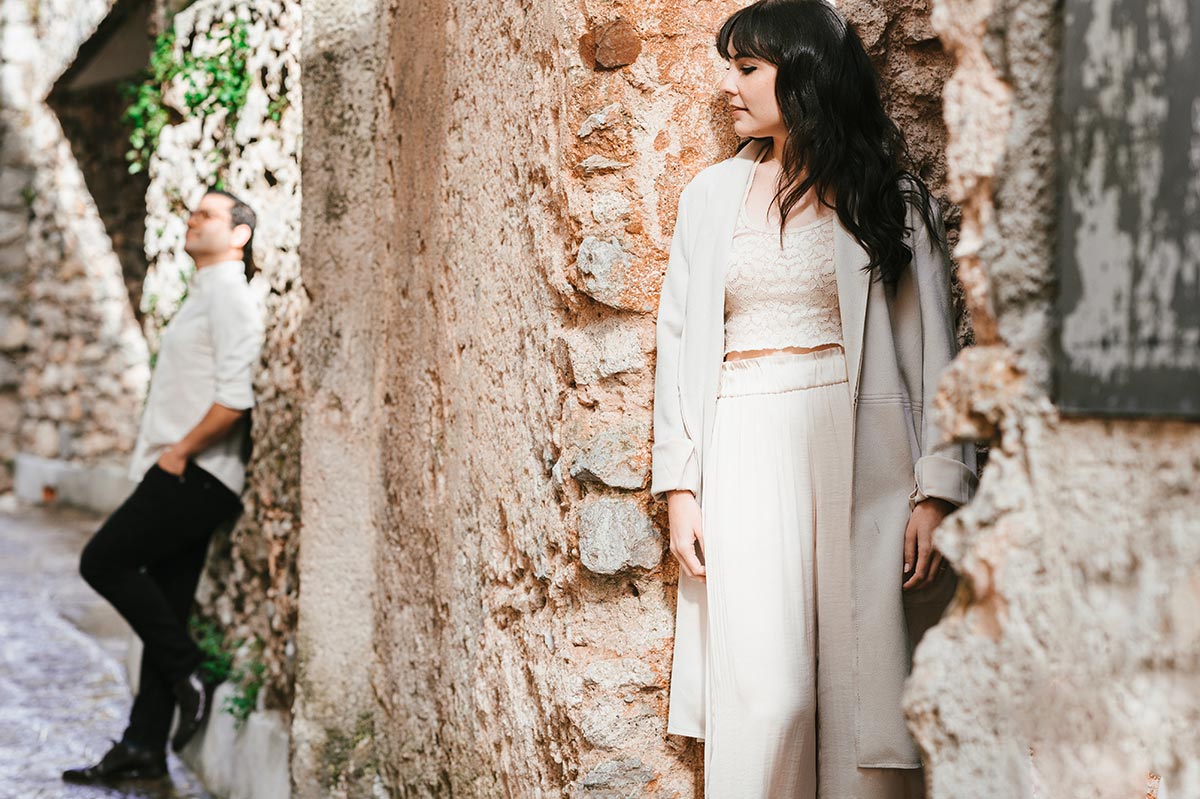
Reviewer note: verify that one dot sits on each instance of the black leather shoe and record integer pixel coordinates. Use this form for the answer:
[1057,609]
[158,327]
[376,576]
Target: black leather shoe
[123,762]
[194,696]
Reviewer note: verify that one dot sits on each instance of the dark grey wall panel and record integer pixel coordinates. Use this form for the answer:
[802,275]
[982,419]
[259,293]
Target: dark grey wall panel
[1129,224]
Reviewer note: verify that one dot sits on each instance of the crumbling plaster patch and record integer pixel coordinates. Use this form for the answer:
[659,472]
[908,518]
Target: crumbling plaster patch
[1072,636]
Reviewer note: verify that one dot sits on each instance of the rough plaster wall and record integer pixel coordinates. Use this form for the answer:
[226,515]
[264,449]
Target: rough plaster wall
[527,250]
[349,219]
[251,583]
[481,338]
[67,332]
[1074,631]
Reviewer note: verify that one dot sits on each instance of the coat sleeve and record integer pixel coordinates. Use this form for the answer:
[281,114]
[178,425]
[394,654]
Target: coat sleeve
[944,470]
[674,460]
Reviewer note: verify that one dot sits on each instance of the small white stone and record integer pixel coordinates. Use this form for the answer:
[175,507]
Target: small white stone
[598,163]
[598,120]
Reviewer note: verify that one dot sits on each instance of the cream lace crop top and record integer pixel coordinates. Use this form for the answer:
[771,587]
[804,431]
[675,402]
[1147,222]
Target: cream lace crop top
[777,298]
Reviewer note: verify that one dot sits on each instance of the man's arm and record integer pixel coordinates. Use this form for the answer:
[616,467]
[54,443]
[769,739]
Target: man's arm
[215,425]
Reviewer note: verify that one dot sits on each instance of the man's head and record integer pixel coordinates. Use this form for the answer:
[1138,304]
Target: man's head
[221,228]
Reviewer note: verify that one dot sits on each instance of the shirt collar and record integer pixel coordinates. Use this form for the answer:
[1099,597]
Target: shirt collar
[213,272]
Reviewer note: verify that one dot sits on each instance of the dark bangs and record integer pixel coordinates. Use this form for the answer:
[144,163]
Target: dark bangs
[748,32]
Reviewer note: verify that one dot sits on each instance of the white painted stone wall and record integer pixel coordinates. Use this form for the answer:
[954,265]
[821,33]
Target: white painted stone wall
[69,345]
[251,584]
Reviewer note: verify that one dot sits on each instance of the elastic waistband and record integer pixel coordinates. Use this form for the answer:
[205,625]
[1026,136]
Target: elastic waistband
[784,371]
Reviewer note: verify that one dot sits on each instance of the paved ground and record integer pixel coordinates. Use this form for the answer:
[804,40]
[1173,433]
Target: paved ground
[63,694]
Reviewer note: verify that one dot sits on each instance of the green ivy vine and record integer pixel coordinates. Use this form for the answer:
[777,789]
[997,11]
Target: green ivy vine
[218,666]
[211,82]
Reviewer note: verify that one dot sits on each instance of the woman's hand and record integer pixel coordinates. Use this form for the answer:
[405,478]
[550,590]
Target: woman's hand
[683,515]
[921,559]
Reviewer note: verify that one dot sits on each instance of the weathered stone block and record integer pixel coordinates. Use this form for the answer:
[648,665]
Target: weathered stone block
[618,778]
[609,206]
[616,456]
[10,376]
[13,185]
[602,350]
[12,226]
[604,269]
[14,333]
[617,44]
[614,674]
[44,440]
[610,723]
[10,412]
[615,533]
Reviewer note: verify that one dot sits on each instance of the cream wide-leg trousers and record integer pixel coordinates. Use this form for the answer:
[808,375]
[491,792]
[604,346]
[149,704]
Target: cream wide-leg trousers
[764,660]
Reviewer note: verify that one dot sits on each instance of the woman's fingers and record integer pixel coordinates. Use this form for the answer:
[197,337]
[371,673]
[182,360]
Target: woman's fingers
[921,570]
[689,561]
[910,546]
[936,563]
[684,546]
[684,517]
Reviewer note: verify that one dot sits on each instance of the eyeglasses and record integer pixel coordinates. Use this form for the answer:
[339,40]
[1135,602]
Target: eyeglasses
[204,215]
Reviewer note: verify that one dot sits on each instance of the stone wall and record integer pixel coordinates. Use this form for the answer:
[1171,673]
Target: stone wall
[251,583]
[70,345]
[505,185]
[1073,635]
[348,260]
[91,121]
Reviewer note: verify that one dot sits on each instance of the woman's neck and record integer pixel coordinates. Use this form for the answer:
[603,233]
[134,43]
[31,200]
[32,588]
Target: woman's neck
[775,145]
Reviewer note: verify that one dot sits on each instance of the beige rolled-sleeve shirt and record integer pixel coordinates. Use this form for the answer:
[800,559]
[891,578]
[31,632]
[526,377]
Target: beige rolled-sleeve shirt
[208,354]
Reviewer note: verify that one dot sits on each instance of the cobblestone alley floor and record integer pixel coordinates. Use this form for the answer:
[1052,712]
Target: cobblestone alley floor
[63,694]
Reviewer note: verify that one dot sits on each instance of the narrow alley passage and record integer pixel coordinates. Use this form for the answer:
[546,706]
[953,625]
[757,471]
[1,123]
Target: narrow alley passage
[63,693]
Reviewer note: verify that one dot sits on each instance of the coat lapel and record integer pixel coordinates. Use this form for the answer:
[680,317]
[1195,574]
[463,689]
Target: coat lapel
[854,286]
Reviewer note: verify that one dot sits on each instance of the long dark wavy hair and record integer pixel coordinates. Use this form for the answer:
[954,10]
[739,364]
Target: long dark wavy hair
[840,140]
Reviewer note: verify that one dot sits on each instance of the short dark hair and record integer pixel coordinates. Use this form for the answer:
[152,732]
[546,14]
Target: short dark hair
[241,214]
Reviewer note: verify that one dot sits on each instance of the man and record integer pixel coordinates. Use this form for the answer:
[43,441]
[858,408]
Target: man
[189,460]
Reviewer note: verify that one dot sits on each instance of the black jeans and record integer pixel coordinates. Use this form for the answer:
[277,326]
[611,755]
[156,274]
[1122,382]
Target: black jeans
[146,561]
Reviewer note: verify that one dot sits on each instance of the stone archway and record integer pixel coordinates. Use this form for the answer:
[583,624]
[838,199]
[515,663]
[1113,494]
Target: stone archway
[89,103]
[74,358]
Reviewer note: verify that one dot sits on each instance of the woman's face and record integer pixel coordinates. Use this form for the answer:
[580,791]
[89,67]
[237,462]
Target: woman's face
[749,86]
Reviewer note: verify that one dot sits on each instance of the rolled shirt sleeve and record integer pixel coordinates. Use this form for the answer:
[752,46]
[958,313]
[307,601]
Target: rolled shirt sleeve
[237,339]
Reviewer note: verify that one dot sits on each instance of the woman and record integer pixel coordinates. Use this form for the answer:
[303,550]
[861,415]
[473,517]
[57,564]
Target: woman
[804,321]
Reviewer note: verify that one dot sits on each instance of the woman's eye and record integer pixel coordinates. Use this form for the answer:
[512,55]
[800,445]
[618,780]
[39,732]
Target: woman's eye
[747,70]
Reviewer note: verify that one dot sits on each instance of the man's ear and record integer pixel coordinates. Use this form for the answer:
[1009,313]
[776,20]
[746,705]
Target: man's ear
[241,235]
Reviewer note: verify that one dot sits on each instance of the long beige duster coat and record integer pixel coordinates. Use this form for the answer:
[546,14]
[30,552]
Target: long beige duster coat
[896,348]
